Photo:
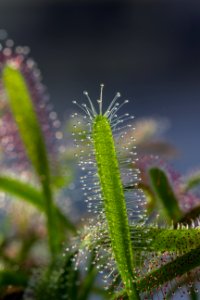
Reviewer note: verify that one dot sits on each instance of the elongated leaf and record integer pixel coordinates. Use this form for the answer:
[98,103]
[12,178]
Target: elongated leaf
[26,119]
[151,239]
[22,190]
[33,196]
[169,271]
[165,194]
[174,240]
[155,279]
[114,201]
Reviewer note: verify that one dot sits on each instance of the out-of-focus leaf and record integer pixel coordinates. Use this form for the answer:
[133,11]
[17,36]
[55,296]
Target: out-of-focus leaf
[165,194]
[89,280]
[24,114]
[150,198]
[12,278]
[31,195]
[59,182]
[22,190]
[26,119]
[190,216]
[192,182]
[59,281]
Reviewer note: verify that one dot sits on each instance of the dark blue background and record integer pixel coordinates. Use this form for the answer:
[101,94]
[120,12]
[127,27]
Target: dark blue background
[148,50]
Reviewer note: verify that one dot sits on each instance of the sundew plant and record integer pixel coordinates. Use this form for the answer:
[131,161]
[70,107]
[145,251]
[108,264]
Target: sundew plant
[139,238]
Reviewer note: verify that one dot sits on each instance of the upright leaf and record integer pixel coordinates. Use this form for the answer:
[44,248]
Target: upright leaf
[26,119]
[165,194]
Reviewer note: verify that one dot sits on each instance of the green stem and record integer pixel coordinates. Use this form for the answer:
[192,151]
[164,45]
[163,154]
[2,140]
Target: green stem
[52,222]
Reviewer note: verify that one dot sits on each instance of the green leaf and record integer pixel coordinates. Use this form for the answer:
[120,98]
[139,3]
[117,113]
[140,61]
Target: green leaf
[150,198]
[22,190]
[12,278]
[26,119]
[24,114]
[192,182]
[150,239]
[165,194]
[173,240]
[169,271]
[33,196]
[114,201]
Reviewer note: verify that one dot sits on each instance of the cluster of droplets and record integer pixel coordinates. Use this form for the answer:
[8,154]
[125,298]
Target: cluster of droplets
[11,145]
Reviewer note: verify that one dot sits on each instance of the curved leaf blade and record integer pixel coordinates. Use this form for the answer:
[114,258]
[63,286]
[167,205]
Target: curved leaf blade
[165,194]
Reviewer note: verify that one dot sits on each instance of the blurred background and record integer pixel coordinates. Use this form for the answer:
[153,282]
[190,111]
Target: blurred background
[149,50]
